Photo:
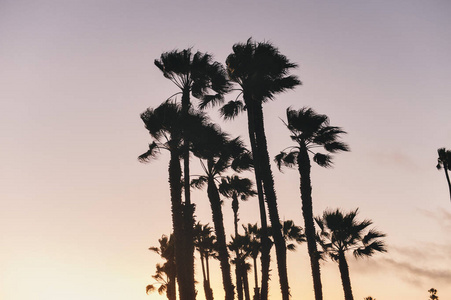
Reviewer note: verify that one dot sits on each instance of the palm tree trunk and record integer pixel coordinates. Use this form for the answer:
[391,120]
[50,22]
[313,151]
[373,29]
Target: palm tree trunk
[247,295]
[307,212]
[215,203]
[447,178]
[345,280]
[266,245]
[238,272]
[256,288]
[271,200]
[204,275]
[175,174]
[210,291]
[188,208]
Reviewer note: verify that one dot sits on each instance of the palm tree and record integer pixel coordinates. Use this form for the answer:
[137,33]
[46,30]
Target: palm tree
[341,233]
[433,294]
[165,126]
[204,241]
[165,274]
[261,72]
[310,130]
[237,188]
[217,153]
[240,246]
[198,76]
[292,233]
[253,234]
[444,161]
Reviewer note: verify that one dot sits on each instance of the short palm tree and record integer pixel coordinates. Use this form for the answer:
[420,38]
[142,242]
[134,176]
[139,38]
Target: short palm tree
[204,242]
[261,72]
[310,130]
[253,233]
[236,188]
[240,246]
[340,233]
[197,75]
[444,161]
[433,294]
[165,125]
[165,275]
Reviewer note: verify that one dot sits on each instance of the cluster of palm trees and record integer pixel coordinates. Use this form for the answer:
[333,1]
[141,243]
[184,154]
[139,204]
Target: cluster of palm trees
[258,71]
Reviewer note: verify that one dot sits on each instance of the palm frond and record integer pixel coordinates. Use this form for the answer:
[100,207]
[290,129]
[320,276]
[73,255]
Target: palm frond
[336,146]
[199,182]
[323,160]
[231,109]
[149,154]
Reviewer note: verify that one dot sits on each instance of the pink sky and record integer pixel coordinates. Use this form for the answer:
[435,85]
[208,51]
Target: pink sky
[78,211]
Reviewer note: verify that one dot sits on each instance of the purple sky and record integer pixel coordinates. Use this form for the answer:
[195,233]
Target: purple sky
[78,211]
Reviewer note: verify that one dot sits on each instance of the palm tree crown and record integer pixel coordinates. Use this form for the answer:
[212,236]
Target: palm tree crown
[342,232]
[195,73]
[311,130]
[444,162]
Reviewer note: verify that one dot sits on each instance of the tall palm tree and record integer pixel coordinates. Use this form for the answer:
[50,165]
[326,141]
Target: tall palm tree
[310,130]
[165,275]
[217,153]
[165,125]
[236,188]
[340,233]
[204,241]
[261,72]
[199,76]
[444,161]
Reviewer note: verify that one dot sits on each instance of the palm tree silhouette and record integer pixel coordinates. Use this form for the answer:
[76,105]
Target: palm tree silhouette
[292,233]
[433,294]
[341,233]
[204,242]
[253,234]
[197,75]
[310,130]
[217,153]
[444,161]
[165,275]
[165,124]
[261,72]
[240,246]
[236,188]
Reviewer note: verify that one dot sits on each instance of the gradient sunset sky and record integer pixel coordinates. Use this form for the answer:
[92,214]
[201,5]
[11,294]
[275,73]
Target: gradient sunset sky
[78,211]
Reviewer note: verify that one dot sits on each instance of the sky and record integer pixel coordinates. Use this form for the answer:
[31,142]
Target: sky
[78,212]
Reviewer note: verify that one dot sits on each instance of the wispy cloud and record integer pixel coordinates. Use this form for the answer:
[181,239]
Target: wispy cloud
[396,158]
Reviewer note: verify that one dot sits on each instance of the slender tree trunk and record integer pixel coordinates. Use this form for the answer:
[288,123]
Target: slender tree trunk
[256,288]
[307,212]
[239,281]
[171,290]
[210,295]
[188,207]
[247,295]
[266,245]
[445,166]
[271,201]
[238,272]
[207,289]
[175,185]
[345,280]
[215,203]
